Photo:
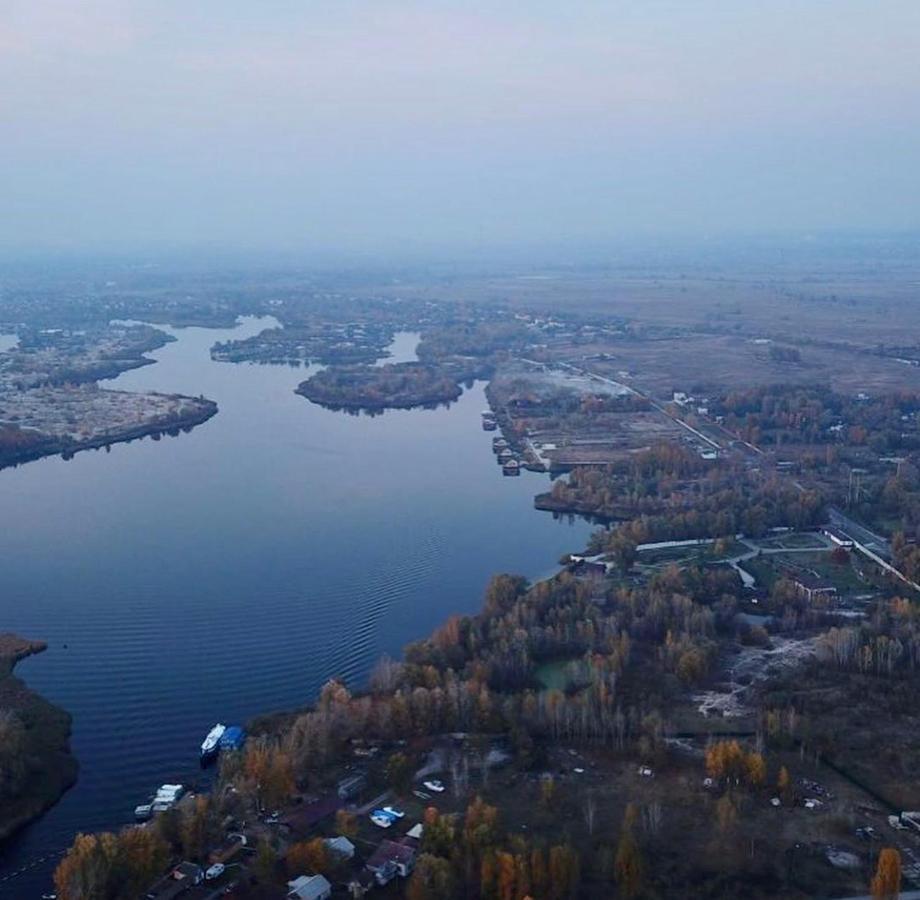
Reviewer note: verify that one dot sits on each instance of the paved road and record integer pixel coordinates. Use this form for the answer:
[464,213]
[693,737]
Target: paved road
[874,542]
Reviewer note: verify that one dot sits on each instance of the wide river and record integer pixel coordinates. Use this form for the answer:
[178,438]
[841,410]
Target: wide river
[232,570]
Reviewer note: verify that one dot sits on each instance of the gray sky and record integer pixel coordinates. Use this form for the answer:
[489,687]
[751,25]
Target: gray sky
[355,125]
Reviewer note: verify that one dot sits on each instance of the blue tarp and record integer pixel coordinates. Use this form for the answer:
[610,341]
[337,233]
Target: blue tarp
[233,738]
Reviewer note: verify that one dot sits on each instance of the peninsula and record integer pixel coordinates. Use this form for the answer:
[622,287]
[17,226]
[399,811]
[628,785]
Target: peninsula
[51,402]
[36,764]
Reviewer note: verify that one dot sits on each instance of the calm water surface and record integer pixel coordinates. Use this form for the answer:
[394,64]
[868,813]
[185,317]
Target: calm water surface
[232,570]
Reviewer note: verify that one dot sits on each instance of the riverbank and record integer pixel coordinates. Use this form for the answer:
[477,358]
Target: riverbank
[548,503]
[35,752]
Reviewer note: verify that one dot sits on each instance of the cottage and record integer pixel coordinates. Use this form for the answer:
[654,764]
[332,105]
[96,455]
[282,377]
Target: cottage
[309,887]
[391,859]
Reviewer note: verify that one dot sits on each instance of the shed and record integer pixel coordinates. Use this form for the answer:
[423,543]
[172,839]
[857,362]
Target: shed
[341,846]
[309,887]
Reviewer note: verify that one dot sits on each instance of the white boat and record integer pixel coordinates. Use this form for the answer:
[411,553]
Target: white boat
[211,743]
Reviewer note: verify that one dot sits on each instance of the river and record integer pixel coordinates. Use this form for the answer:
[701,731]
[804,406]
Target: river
[232,570]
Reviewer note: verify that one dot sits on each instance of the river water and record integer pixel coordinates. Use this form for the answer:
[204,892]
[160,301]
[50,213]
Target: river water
[232,570]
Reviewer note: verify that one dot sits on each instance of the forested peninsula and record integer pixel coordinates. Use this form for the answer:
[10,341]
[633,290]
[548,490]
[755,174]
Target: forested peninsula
[36,765]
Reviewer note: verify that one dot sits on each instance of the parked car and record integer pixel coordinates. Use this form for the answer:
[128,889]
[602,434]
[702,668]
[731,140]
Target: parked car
[391,811]
[436,786]
[215,871]
[380,819]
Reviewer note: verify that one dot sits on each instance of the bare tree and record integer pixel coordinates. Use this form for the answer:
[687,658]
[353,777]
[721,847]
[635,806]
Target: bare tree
[590,812]
[652,817]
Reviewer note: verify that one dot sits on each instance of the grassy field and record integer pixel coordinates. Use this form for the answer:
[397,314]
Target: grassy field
[844,576]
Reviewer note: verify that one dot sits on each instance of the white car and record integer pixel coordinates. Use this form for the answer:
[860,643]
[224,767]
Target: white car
[645,772]
[215,871]
[436,786]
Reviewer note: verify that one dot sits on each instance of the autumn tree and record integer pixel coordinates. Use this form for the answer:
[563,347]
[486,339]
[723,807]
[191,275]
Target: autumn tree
[563,875]
[505,876]
[399,773]
[111,865]
[309,857]
[346,823]
[547,790]
[629,868]
[439,834]
[264,863]
[480,835]
[886,883]
[623,549]
[432,879]
[784,784]
[755,769]
[726,813]
[269,771]
[538,873]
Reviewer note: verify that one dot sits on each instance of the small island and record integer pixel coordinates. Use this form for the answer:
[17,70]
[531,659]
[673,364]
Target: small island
[36,764]
[373,388]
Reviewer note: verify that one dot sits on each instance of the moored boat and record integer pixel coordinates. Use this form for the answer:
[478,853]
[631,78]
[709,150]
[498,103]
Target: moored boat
[211,744]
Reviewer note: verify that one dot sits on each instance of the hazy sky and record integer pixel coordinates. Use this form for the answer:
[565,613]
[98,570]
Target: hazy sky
[385,124]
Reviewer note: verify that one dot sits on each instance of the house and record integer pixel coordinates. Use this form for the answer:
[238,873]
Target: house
[301,820]
[812,588]
[351,786]
[309,887]
[590,567]
[182,878]
[391,859]
[341,846]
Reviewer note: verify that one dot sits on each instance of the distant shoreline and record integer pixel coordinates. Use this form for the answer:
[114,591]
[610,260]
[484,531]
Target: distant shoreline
[51,767]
